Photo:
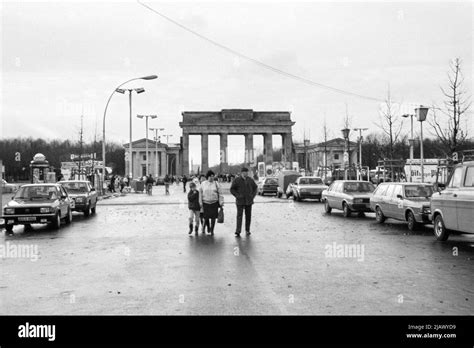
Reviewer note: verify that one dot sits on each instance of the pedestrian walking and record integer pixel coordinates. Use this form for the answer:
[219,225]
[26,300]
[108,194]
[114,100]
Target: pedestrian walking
[185,180]
[149,184]
[210,199]
[112,184]
[202,178]
[194,208]
[244,189]
[122,184]
[167,181]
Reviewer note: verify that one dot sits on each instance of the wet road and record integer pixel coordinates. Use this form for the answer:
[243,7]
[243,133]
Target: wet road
[135,257]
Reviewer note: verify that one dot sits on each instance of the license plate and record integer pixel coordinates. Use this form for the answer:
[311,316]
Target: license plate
[27,218]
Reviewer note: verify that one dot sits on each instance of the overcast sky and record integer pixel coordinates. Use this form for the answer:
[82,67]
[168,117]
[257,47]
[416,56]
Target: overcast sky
[62,59]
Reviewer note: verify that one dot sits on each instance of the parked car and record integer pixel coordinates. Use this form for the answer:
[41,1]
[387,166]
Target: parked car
[349,196]
[285,179]
[408,202]
[9,188]
[84,195]
[267,185]
[38,204]
[308,187]
[453,208]
[160,180]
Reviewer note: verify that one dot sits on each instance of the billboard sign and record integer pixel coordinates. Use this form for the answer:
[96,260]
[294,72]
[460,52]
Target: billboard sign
[429,170]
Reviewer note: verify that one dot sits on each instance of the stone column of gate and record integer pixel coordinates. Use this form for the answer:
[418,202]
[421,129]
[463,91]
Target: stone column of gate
[286,145]
[268,144]
[249,159]
[224,159]
[164,163]
[185,163]
[204,152]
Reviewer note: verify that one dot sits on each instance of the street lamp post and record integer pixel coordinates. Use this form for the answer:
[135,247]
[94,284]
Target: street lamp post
[150,77]
[345,134]
[360,149]
[167,136]
[146,139]
[130,90]
[421,113]
[411,141]
[156,130]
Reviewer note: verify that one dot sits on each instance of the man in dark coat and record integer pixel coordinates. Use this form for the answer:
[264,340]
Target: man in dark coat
[244,189]
[185,180]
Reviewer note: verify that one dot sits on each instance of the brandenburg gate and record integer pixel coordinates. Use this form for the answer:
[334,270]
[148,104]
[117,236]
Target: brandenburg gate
[236,122]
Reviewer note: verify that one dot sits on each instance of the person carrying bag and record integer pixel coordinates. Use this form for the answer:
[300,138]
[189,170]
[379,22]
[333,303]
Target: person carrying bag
[211,200]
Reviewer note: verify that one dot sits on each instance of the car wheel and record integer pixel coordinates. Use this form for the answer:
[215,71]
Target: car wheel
[69,216]
[9,228]
[346,210]
[57,221]
[440,230]
[87,211]
[412,224]
[379,215]
[327,208]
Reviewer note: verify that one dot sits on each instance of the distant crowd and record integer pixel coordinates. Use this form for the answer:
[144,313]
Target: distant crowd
[120,184]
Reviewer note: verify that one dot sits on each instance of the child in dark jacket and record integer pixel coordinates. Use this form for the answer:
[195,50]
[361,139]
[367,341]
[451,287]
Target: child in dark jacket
[194,208]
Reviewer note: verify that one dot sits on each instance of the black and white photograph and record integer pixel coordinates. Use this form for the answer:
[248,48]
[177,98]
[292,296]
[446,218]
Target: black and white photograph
[236,159]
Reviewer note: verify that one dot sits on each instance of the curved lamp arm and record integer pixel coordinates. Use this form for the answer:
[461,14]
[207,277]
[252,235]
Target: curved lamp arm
[151,77]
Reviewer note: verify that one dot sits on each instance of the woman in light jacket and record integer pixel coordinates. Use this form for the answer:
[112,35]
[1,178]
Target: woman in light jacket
[210,198]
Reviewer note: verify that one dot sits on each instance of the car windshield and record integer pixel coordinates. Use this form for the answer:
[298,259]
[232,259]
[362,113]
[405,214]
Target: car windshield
[37,193]
[311,181]
[271,182]
[418,191]
[358,187]
[75,186]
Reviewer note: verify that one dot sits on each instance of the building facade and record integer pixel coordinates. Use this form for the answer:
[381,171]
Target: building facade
[312,156]
[162,158]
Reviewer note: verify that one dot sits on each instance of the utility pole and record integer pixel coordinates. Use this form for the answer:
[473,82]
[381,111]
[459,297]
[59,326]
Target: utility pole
[81,142]
[360,150]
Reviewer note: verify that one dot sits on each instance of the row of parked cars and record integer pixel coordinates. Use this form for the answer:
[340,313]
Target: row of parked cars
[49,203]
[449,210]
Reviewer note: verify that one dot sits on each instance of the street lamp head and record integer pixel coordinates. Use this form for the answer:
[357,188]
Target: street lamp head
[139,90]
[345,133]
[120,90]
[421,113]
[150,77]
[406,115]
[140,116]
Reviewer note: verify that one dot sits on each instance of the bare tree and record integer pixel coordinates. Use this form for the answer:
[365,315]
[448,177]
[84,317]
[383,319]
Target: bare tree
[450,130]
[390,122]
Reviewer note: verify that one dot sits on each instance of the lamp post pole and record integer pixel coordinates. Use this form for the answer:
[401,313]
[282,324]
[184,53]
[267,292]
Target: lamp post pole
[150,77]
[360,149]
[146,138]
[156,130]
[421,113]
[345,134]
[130,150]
